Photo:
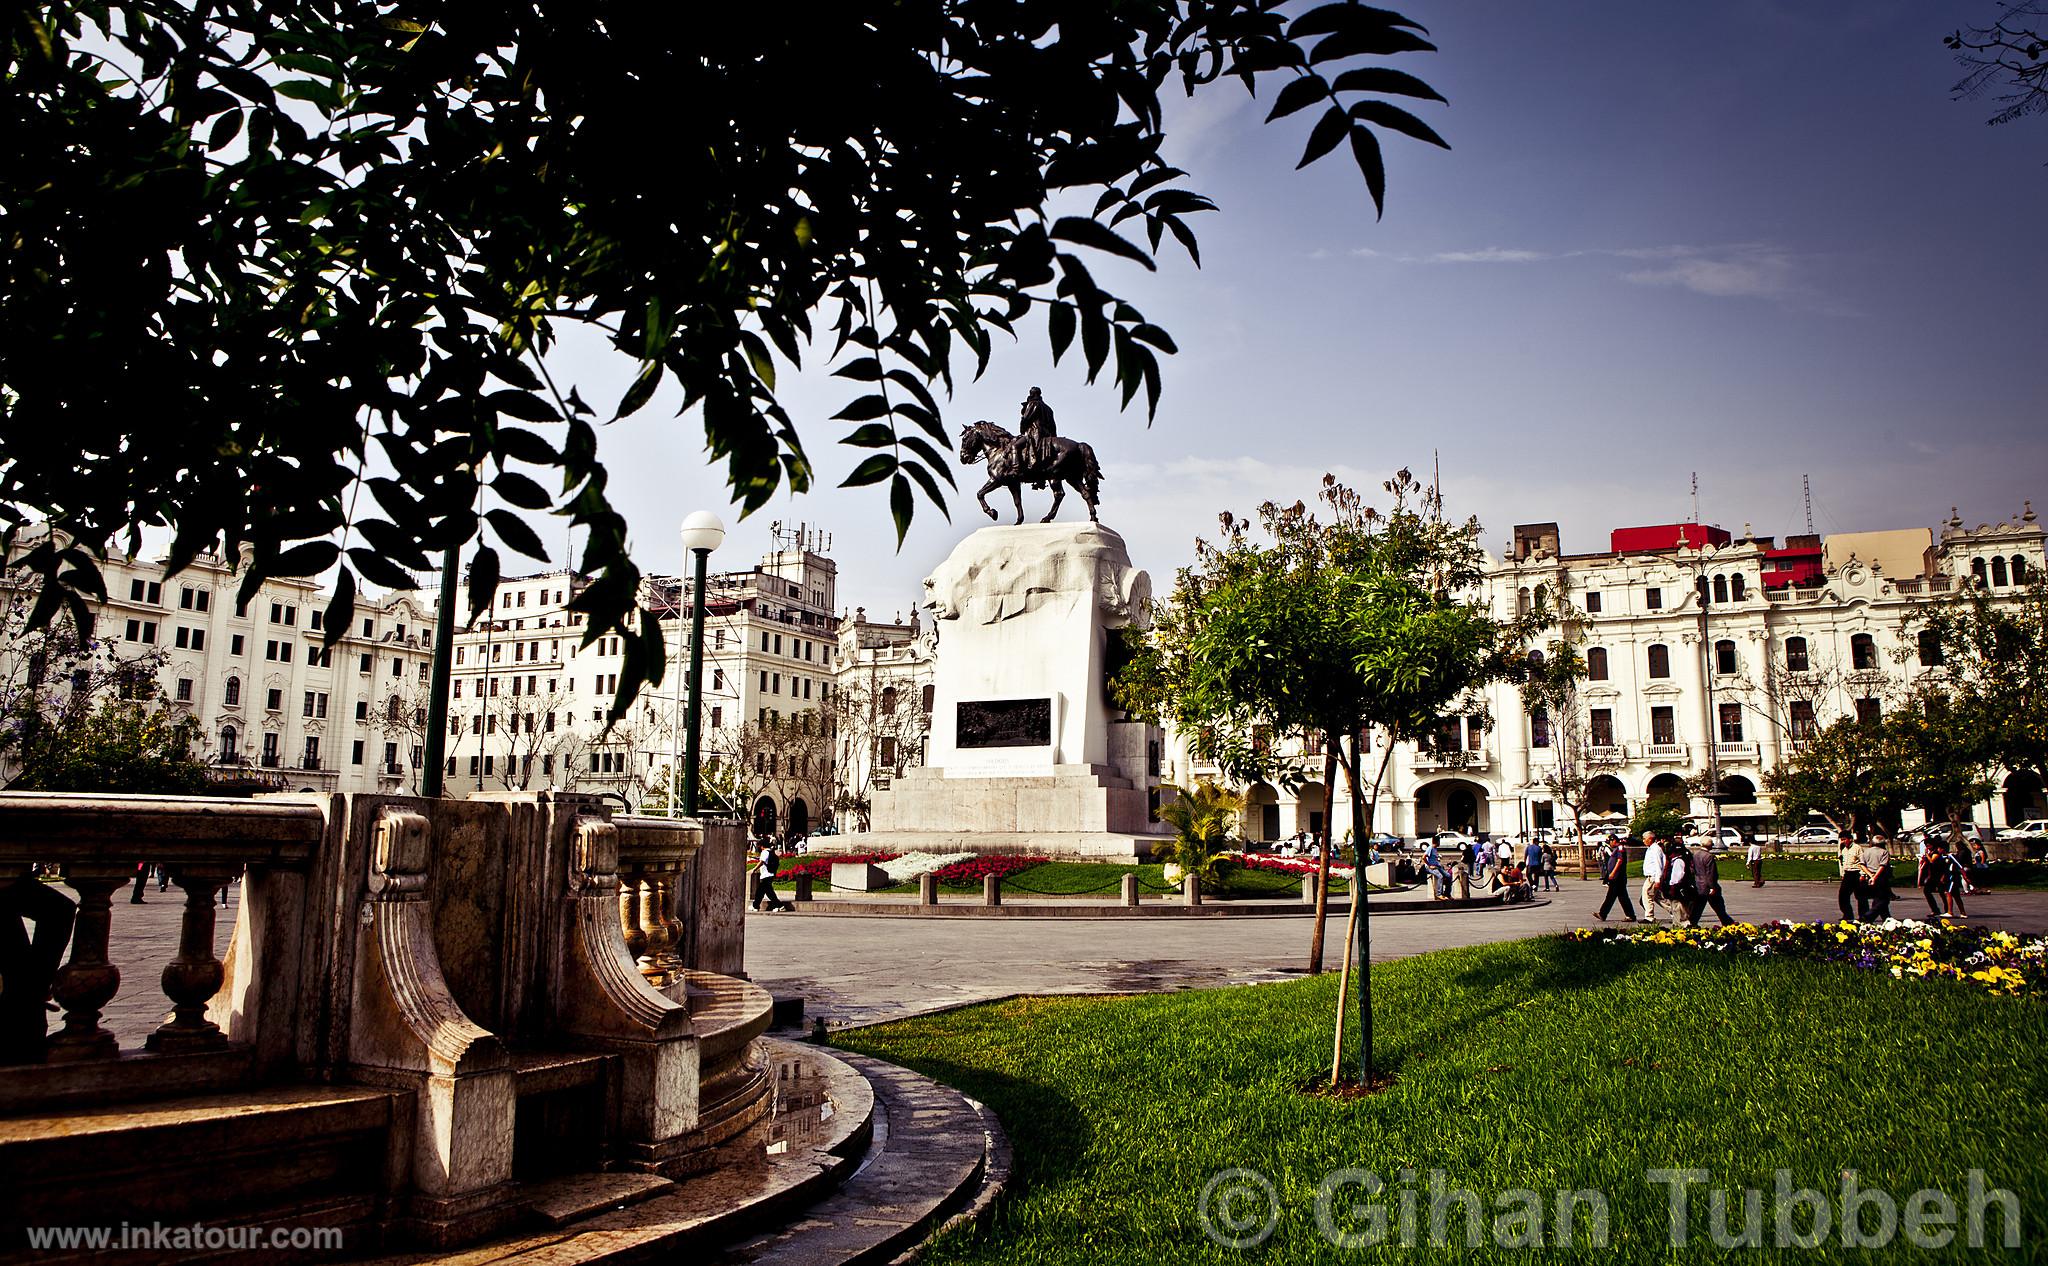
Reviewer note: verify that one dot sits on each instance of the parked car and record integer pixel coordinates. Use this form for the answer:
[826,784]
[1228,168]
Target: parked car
[1726,838]
[2025,830]
[1811,835]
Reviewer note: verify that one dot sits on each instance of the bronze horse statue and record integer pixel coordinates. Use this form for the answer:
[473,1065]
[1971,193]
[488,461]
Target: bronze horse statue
[1072,463]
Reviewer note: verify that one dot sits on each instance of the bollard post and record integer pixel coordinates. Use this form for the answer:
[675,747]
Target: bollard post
[1308,889]
[1190,890]
[803,886]
[1130,893]
[928,889]
[991,890]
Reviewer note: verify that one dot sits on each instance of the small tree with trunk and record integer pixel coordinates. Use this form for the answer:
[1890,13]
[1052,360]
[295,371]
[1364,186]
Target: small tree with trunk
[1555,684]
[1368,622]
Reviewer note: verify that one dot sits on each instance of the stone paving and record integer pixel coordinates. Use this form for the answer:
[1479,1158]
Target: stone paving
[860,970]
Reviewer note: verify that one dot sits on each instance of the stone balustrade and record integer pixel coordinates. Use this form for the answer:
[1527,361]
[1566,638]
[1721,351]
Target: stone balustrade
[478,987]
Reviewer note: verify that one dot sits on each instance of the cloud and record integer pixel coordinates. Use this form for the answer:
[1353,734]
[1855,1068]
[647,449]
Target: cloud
[1743,271]
[1494,255]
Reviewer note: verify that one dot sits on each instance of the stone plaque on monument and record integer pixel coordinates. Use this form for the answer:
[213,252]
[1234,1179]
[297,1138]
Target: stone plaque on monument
[1004,723]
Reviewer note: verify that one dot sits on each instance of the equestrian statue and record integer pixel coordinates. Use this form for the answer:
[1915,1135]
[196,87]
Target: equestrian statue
[1038,455]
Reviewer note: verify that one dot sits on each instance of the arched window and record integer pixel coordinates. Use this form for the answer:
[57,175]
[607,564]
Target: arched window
[1998,571]
[391,709]
[924,700]
[1596,664]
[230,743]
[1735,587]
[888,698]
[1535,659]
[1796,660]
[1702,584]
[1539,728]
[234,693]
[1930,648]
[1542,596]
[1862,651]
[2019,570]
[1720,589]
[1660,660]
[1522,601]
[1977,571]
[1724,656]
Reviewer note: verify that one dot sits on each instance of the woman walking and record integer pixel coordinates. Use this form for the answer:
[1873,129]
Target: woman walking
[1955,880]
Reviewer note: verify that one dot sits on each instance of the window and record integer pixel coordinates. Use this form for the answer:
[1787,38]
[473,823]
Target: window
[273,700]
[143,631]
[270,750]
[1868,710]
[717,718]
[1653,598]
[1593,604]
[1724,657]
[924,700]
[1998,576]
[1596,664]
[1522,602]
[1660,660]
[1731,723]
[184,694]
[229,743]
[234,692]
[146,591]
[315,620]
[474,762]
[309,705]
[1795,655]
[391,757]
[1930,648]
[398,668]
[1977,571]
[1475,728]
[1601,722]
[476,724]
[1862,652]
[426,668]
[2019,570]
[889,699]
[1736,587]
[355,752]
[458,688]
[1803,726]
[1539,728]
[393,709]
[312,760]
[241,609]
[235,644]
[1663,726]
[1720,589]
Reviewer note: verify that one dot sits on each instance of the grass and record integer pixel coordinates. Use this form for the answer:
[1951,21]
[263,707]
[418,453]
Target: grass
[1539,1064]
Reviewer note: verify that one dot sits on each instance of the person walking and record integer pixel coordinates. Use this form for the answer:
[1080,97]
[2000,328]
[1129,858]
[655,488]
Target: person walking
[141,878]
[1850,888]
[1927,875]
[1654,864]
[1532,863]
[1875,893]
[1954,881]
[1706,887]
[1756,863]
[1550,868]
[770,862]
[1614,871]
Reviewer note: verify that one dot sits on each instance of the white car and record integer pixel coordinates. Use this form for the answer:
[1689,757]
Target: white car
[1812,835]
[2025,830]
[1728,837]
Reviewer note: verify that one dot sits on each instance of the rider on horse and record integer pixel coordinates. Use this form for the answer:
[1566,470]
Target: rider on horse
[1035,429]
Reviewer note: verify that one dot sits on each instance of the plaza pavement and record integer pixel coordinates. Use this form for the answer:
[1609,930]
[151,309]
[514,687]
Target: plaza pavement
[858,970]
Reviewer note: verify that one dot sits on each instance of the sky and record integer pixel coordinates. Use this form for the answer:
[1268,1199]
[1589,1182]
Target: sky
[1747,240]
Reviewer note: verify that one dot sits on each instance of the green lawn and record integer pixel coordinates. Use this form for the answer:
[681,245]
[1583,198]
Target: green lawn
[1541,1064]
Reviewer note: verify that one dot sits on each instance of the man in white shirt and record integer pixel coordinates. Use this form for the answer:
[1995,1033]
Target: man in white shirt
[1653,875]
[1756,864]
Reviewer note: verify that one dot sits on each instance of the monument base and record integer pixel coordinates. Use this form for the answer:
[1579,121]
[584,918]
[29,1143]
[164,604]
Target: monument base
[1066,846]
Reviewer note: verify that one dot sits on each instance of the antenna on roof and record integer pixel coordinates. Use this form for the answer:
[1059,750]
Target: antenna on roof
[1695,496]
[1806,487]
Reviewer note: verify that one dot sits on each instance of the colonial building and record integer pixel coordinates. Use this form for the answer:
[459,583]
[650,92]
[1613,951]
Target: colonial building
[276,709]
[883,707]
[1709,658]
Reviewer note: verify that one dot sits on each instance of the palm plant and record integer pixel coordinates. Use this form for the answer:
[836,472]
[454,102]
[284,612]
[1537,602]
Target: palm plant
[1201,820]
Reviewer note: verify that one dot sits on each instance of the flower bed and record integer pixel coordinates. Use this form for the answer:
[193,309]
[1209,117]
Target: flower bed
[820,868]
[1997,961]
[974,869]
[1290,865]
[908,866]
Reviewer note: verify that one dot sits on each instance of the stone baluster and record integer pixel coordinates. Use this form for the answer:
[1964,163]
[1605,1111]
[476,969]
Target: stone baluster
[88,981]
[629,913]
[671,951]
[195,975]
[654,925]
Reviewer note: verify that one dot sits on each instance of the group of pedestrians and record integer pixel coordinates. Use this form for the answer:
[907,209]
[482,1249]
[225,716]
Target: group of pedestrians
[1686,879]
[1512,868]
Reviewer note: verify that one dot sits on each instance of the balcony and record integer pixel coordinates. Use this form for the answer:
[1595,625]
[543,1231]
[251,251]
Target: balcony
[1474,760]
[1666,753]
[1735,752]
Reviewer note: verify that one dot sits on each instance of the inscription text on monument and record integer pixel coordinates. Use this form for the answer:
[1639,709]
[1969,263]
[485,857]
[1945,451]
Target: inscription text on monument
[1004,723]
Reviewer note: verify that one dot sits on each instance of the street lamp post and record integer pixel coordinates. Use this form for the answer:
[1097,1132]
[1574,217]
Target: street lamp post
[702,533]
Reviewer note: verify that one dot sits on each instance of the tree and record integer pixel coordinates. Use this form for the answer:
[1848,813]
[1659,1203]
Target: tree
[255,246]
[1850,773]
[1201,819]
[1555,685]
[1992,654]
[55,680]
[119,746]
[880,727]
[2008,59]
[1945,755]
[1371,622]
[1665,817]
